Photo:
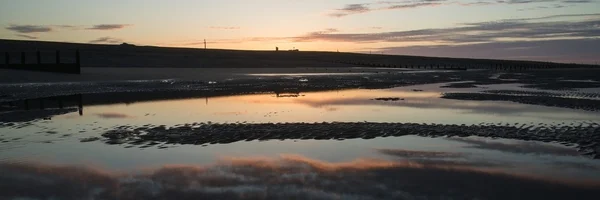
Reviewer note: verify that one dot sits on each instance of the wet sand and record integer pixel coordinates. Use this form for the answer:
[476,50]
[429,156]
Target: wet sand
[538,99]
[585,136]
[103,74]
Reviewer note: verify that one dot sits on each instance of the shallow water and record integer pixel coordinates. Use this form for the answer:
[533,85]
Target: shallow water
[413,106]
[55,142]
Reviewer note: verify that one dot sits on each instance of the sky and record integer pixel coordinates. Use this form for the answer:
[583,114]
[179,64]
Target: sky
[544,30]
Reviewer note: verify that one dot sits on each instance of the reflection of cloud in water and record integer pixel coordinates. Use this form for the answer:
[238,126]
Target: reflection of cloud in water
[331,109]
[575,165]
[112,115]
[286,177]
[427,100]
[419,154]
[231,113]
[520,147]
[438,158]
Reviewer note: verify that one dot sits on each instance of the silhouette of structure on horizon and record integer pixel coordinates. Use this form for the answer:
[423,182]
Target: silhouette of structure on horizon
[58,67]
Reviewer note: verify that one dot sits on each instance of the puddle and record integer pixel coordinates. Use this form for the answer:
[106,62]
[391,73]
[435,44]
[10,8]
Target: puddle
[342,106]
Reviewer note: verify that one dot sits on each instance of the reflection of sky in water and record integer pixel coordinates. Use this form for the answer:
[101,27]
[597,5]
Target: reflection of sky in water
[499,154]
[346,105]
[289,176]
[56,141]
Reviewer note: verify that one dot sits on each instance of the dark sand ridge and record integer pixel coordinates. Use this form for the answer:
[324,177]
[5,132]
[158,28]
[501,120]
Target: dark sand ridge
[587,137]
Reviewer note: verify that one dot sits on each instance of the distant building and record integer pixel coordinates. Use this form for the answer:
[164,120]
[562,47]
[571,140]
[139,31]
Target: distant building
[125,44]
[276,48]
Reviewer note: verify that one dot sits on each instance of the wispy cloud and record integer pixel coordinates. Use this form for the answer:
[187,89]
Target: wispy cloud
[70,27]
[565,51]
[108,26]
[225,27]
[29,28]
[480,32]
[27,36]
[106,40]
[351,9]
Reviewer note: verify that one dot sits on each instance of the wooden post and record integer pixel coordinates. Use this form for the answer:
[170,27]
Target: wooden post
[22,57]
[39,57]
[60,103]
[80,106]
[57,57]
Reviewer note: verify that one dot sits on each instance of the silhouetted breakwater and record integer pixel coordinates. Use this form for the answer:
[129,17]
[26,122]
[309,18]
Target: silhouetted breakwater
[497,65]
[58,66]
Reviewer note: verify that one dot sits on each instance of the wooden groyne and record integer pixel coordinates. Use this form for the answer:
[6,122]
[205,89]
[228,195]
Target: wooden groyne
[39,65]
[489,66]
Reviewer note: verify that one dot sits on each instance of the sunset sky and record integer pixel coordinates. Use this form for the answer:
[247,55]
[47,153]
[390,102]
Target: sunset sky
[547,30]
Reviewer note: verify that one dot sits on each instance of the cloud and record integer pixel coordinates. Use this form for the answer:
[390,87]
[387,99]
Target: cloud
[49,28]
[503,39]
[29,28]
[69,27]
[351,9]
[472,32]
[27,36]
[225,27]
[565,51]
[106,40]
[559,16]
[108,26]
